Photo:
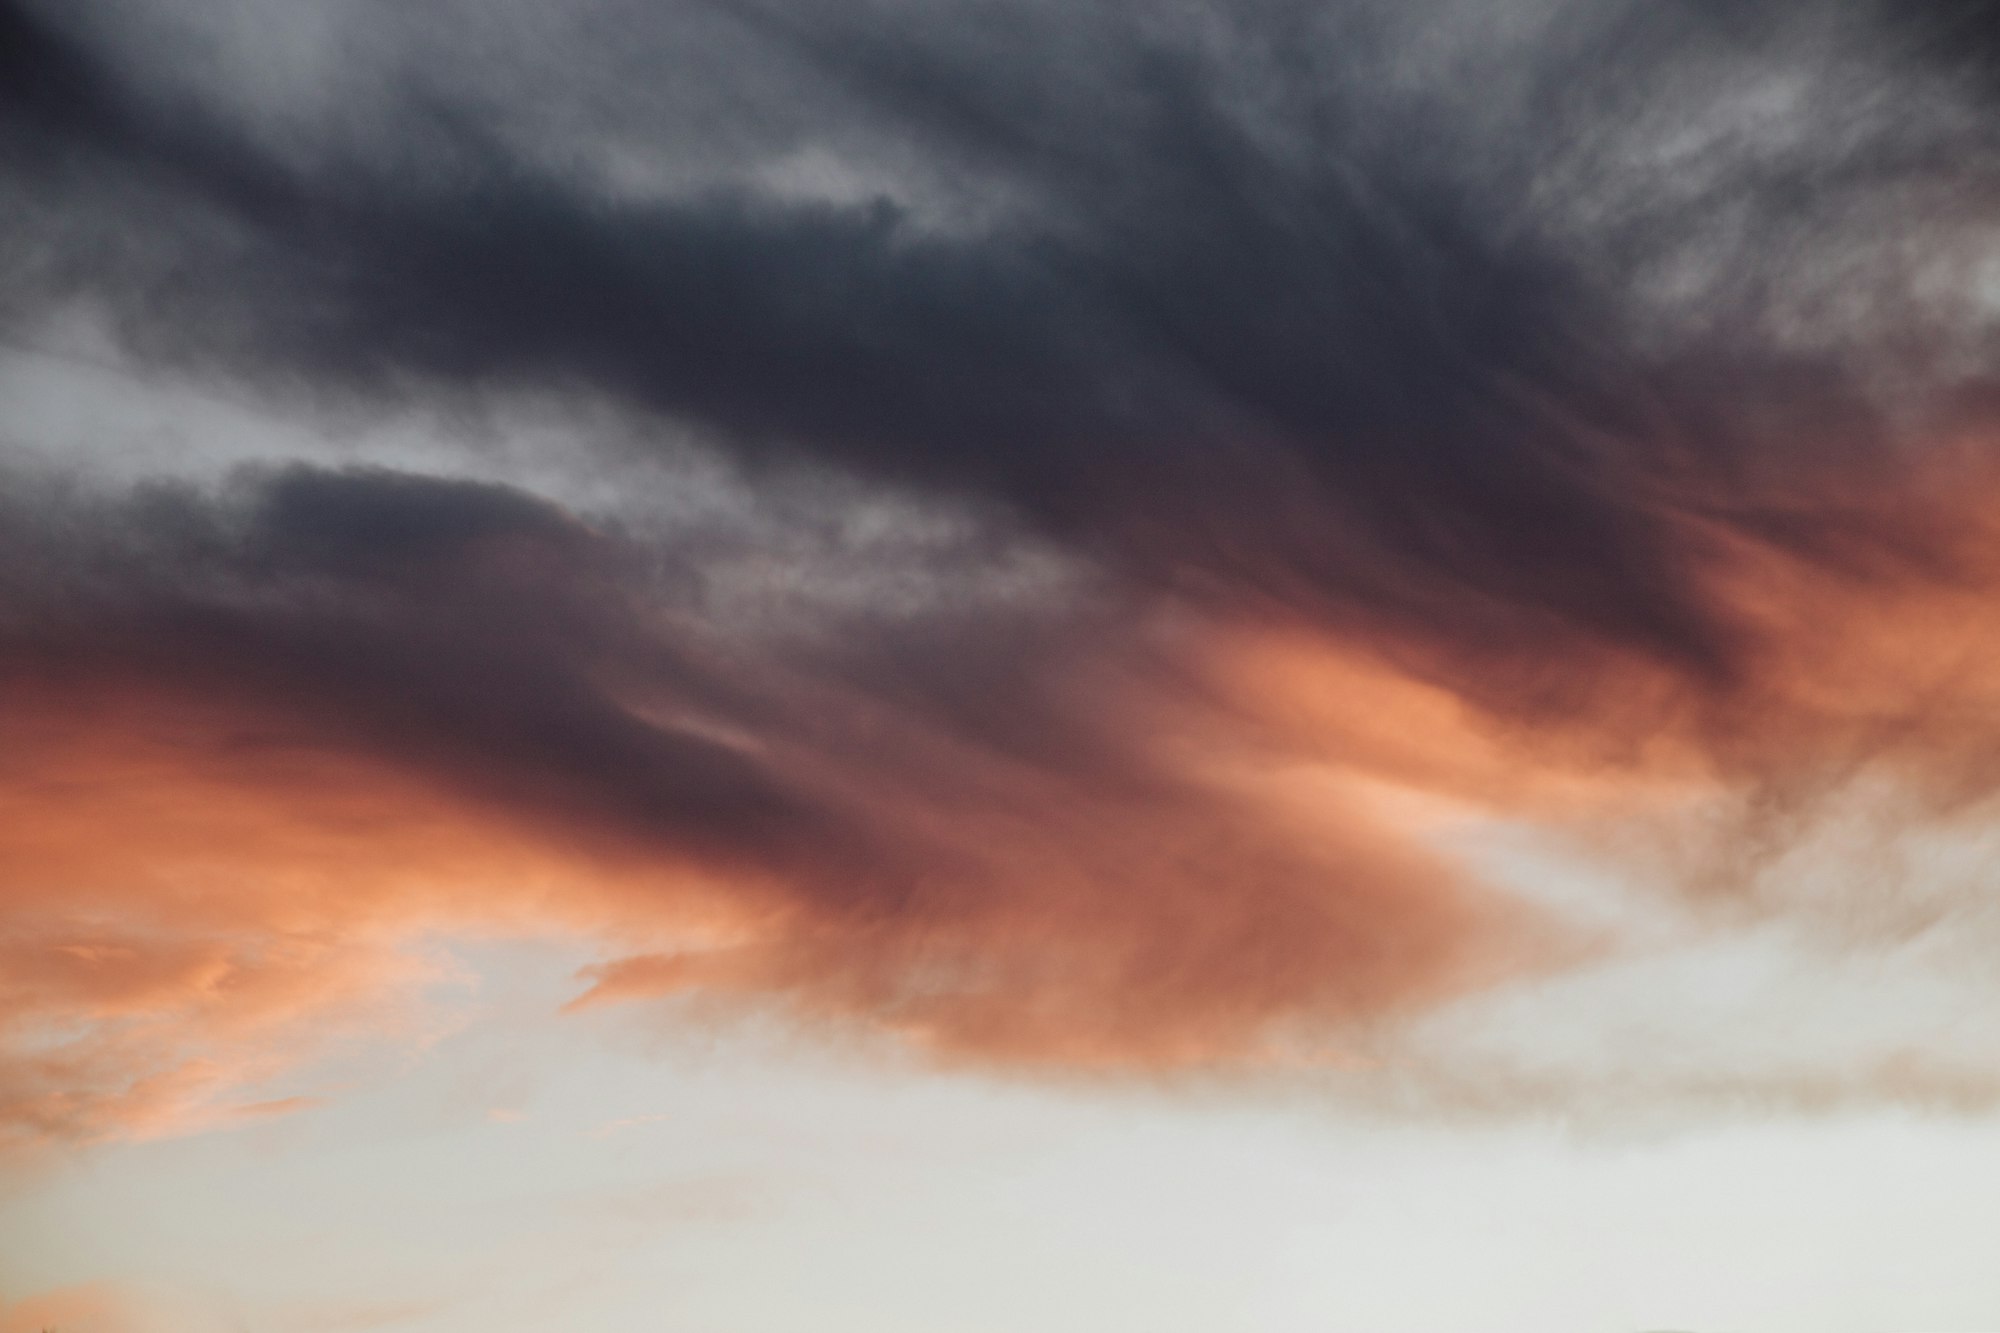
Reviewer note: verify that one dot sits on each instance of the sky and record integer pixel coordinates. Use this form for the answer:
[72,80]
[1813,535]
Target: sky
[969,666]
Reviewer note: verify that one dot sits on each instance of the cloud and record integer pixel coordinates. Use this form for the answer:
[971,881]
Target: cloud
[1265,347]
[610,1127]
[333,711]
[1189,467]
[352,1316]
[107,1308]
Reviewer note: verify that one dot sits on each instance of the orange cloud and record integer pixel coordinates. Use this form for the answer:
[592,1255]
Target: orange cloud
[179,924]
[264,898]
[242,802]
[102,1307]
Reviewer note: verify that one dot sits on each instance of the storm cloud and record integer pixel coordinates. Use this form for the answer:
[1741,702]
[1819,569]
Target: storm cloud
[1179,462]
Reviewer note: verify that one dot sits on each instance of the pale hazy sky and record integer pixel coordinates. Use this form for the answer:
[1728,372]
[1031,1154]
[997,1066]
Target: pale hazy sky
[534,1172]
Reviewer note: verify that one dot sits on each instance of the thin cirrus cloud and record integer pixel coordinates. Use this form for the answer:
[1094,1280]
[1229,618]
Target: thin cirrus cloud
[100,1307]
[1303,431]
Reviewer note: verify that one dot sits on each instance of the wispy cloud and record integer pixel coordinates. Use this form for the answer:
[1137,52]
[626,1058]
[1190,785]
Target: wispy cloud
[610,1127]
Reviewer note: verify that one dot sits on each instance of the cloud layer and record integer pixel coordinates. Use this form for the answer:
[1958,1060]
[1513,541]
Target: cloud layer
[1172,472]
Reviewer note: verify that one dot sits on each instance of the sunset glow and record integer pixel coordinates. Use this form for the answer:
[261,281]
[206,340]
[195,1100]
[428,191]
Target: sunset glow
[999,665]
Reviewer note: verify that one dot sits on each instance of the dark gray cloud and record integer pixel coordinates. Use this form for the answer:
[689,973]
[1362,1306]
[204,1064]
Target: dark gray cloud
[1265,311]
